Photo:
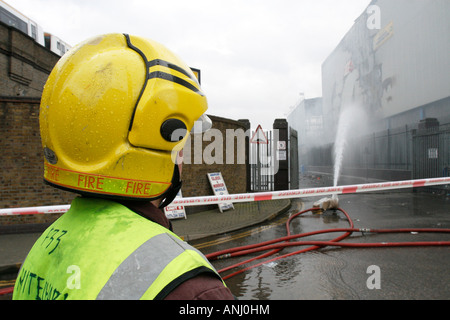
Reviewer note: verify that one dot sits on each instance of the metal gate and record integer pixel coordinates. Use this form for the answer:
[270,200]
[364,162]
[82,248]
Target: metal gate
[273,157]
[261,160]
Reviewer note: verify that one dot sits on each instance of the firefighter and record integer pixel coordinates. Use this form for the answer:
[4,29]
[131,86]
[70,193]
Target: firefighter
[115,113]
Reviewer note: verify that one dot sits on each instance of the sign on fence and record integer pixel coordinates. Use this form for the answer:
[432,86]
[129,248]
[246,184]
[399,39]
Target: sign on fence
[220,189]
[175,211]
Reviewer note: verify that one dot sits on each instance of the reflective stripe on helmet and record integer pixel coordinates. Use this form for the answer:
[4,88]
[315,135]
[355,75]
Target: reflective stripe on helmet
[100,184]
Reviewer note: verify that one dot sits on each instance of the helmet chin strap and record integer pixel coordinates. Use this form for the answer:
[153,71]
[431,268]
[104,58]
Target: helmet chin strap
[173,190]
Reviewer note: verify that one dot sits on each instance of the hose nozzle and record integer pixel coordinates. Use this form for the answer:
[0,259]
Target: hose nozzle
[327,203]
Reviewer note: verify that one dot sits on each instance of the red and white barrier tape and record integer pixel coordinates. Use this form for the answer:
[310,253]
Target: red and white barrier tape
[312,192]
[261,196]
[34,210]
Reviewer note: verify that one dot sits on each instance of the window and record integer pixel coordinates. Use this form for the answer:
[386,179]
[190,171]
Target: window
[33,32]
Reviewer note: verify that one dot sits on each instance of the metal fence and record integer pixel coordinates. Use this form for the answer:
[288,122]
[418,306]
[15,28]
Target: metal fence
[418,153]
[431,156]
[387,150]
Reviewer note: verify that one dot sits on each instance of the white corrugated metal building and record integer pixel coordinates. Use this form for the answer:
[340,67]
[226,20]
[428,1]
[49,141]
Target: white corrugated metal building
[392,67]
[394,63]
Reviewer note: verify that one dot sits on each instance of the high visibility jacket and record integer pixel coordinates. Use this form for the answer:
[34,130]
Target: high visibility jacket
[100,249]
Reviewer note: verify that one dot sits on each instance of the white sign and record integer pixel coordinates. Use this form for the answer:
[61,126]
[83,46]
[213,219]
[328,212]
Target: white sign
[220,189]
[281,145]
[281,155]
[175,211]
[432,153]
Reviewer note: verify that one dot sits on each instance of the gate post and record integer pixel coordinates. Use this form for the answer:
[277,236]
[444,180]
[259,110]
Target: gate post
[293,159]
[281,178]
[246,124]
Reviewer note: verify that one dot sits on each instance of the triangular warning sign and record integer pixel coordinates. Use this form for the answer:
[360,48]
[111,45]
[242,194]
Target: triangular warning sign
[259,137]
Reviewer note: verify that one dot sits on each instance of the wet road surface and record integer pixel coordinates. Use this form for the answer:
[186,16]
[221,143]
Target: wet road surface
[337,273]
[347,273]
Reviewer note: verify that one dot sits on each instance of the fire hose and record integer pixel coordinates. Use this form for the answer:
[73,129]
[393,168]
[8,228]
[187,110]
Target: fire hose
[277,245]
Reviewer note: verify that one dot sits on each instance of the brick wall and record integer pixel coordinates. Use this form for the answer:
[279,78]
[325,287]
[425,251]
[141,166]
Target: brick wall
[21,183]
[24,68]
[195,180]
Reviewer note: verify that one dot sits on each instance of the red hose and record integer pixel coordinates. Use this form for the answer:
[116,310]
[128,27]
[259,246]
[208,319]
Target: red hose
[275,246]
[6,290]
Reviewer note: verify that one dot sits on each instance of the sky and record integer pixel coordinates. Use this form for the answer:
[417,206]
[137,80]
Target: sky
[258,58]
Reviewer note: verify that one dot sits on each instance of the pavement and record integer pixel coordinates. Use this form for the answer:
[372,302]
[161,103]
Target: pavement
[213,222]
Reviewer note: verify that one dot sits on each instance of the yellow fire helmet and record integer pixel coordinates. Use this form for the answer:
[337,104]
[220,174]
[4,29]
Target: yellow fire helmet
[114,111]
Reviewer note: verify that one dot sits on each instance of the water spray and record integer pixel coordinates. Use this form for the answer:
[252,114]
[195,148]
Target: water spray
[347,119]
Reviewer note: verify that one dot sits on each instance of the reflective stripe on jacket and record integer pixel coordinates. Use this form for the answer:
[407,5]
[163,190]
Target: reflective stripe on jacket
[100,249]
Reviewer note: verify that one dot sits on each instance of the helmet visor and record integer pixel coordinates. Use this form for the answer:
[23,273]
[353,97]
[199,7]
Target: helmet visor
[202,125]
